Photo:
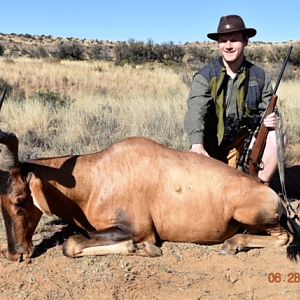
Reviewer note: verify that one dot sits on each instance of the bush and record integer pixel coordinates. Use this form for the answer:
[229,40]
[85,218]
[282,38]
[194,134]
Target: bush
[257,55]
[38,52]
[277,54]
[295,56]
[53,100]
[137,52]
[169,52]
[72,50]
[1,50]
[100,52]
[131,52]
[198,56]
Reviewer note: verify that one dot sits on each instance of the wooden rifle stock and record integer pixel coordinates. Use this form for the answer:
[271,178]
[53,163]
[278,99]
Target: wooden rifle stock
[261,136]
[260,142]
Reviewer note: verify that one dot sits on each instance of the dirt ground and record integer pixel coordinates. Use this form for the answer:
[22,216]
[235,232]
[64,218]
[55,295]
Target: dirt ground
[185,271]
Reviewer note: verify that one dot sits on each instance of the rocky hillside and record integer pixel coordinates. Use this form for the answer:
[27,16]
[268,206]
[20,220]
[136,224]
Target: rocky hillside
[16,45]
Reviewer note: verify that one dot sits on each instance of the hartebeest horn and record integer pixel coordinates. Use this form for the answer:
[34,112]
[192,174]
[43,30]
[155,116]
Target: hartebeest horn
[2,97]
[9,151]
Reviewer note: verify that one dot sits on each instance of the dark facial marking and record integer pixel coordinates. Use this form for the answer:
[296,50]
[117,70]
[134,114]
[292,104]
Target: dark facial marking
[10,230]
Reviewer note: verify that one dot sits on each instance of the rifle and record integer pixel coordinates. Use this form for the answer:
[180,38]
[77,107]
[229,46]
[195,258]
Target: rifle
[250,160]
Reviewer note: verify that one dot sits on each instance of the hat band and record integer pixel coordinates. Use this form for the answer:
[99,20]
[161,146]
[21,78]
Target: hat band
[230,27]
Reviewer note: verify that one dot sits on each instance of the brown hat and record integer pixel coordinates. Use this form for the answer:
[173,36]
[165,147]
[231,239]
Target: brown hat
[231,23]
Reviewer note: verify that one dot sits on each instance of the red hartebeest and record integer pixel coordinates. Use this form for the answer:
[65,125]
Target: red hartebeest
[132,195]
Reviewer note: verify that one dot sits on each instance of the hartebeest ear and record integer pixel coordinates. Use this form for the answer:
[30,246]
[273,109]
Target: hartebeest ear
[37,193]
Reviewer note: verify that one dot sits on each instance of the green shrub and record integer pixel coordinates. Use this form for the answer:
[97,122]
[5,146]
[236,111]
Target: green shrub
[138,52]
[100,52]
[70,50]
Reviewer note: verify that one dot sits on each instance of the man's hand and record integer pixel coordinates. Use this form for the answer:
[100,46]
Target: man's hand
[198,148]
[271,120]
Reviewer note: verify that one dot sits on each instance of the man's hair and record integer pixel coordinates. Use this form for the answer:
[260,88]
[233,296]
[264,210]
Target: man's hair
[245,36]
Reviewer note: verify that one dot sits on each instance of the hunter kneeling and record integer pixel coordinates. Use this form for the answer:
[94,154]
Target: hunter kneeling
[227,100]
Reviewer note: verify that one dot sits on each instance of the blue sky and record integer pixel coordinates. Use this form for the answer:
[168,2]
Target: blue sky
[161,20]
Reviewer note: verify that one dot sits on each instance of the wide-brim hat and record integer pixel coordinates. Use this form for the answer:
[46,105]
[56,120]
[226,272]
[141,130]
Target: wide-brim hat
[229,24]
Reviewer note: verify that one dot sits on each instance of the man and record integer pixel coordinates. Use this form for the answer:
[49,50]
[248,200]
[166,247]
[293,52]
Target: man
[229,94]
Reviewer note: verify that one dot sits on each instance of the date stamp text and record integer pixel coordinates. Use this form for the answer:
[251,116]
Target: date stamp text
[276,277]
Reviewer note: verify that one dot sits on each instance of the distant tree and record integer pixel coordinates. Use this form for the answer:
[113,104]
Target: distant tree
[28,36]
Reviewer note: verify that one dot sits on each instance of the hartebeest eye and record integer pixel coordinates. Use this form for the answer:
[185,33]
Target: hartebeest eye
[20,204]
[21,201]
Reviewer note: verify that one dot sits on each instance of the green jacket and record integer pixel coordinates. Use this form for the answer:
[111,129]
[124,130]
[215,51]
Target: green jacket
[215,98]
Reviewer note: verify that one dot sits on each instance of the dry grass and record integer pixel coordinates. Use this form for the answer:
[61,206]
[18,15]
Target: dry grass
[290,106]
[110,103]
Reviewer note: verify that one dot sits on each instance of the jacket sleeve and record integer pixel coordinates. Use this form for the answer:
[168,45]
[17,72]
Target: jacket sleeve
[198,101]
[267,93]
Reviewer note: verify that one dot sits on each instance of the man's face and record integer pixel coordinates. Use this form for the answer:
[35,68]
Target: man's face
[231,46]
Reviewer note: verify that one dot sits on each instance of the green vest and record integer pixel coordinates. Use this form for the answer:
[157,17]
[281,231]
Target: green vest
[249,90]
[218,94]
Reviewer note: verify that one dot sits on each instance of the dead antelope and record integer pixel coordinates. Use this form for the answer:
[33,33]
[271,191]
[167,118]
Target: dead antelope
[132,196]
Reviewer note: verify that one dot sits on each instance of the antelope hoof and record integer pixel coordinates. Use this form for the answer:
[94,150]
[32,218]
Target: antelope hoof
[71,247]
[229,248]
[147,249]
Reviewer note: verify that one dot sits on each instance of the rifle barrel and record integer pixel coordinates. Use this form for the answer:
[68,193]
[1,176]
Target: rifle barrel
[282,69]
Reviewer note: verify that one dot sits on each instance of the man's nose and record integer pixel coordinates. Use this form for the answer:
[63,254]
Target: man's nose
[228,44]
